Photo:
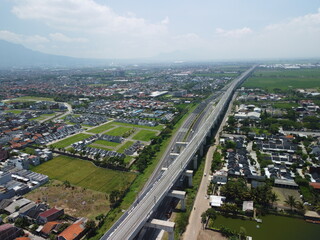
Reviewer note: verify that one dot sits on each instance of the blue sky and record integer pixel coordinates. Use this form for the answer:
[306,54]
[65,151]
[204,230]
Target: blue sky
[200,30]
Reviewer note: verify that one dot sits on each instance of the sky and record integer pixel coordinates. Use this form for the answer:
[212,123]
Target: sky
[186,29]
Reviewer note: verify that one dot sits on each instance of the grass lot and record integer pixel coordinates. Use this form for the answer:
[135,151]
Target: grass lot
[125,146]
[106,143]
[30,98]
[55,193]
[101,128]
[68,141]
[119,131]
[144,135]
[100,147]
[128,159]
[284,105]
[85,174]
[283,193]
[43,117]
[284,79]
[13,111]
[159,127]
[110,125]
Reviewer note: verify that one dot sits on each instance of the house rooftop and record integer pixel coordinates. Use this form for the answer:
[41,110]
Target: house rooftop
[74,230]
[49,212]
[315,185]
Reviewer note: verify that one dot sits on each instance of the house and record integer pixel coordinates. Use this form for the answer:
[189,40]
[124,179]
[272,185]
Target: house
[216,201]
[50,215]
[220,177]
[285,183]
[9,232]
[315,186]
[16,205]
[48,228]
[74,231]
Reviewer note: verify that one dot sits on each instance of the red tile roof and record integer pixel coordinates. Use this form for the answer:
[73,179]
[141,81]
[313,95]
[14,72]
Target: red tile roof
[74,230]
[47,228]
[49,212]
[315,185]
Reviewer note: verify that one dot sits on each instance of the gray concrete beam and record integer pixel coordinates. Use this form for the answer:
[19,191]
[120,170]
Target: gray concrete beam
[162,225]
[180,195]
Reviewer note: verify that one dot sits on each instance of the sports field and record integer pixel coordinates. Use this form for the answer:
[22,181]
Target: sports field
[68,141]
[85,174]
[144,135]
[284,79]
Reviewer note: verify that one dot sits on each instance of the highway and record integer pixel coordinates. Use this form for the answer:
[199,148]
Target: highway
[130,223]
[181,134]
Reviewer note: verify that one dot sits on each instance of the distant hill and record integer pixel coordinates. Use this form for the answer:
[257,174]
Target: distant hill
[15,55]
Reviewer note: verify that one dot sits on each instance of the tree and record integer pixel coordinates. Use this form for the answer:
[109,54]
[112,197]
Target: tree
[273,198]
[211,214]
[21,222]
[203,219]
[242,233]
[291,201]
[67,184]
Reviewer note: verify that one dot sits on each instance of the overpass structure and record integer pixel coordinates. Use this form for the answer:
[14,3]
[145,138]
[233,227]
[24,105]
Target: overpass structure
[131,222]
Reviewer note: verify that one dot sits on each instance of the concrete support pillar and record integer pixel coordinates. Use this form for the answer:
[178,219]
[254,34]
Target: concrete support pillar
[171,235]
[195,162]
[183,204]
[189,174]
[201,150]
[180,195]
[162,225]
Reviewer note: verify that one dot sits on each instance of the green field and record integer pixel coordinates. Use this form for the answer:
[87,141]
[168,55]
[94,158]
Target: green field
[30,98]
[284,79]
[110,125]
[144,135]
[125,146]
[85,174]
[100,147]
[13,111]
[101,128]
[68,141]
[119,131]
[106,143]
[159,127]
[43,117]
[284,105]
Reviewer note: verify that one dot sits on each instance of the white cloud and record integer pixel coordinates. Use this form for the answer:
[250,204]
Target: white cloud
[59,37]
[235,33]
[22,39]
[85,16]
[95,30]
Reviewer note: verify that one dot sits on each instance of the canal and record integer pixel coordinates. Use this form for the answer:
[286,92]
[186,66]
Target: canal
[273,227]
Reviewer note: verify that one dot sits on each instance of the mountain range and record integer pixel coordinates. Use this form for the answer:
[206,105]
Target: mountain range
[15,55]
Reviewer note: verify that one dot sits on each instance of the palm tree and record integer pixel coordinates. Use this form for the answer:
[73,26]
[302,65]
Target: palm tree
[273,198]
[299,205]
[291,201]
